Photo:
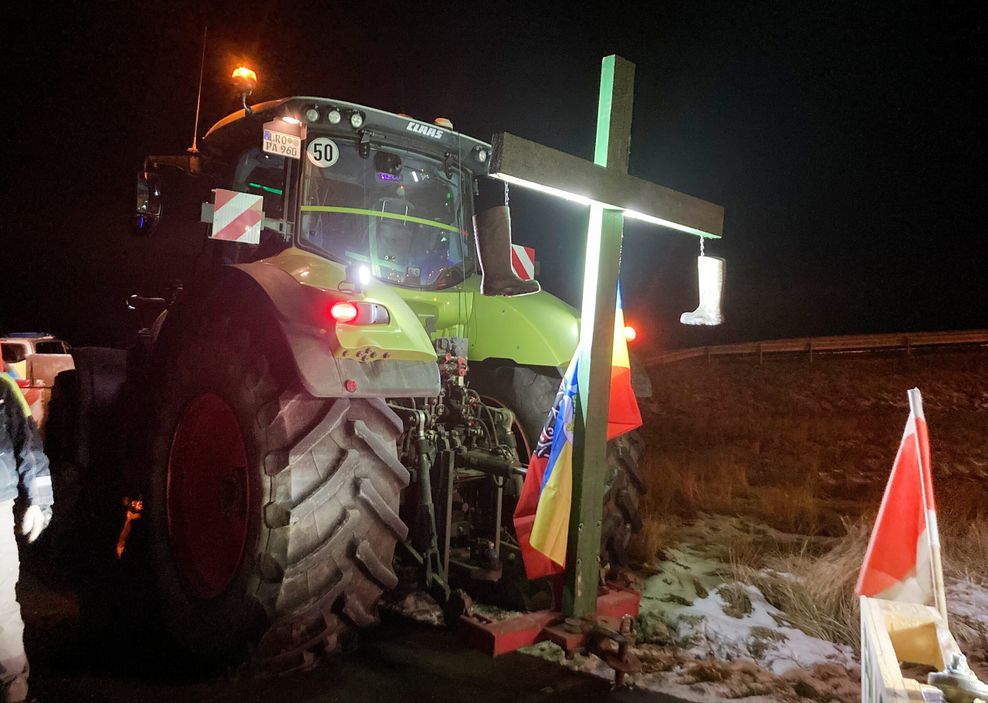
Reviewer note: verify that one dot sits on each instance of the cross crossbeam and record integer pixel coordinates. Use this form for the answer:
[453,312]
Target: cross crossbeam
[531,165]
[612,194]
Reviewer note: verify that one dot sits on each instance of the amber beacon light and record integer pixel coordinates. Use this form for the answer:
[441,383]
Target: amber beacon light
[245,79]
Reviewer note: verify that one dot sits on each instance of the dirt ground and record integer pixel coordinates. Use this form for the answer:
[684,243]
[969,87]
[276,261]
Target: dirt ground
[81,650]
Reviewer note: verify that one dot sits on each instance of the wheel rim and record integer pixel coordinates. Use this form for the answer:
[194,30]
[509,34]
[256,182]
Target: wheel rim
[208,496]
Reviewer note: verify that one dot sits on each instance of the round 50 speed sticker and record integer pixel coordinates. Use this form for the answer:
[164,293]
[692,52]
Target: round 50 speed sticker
[322,152]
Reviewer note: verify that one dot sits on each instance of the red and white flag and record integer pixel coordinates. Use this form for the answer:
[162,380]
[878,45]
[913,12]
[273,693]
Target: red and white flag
[903,558]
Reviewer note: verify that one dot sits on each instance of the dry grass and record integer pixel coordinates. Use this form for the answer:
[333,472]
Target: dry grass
[966,551]
[796,509]
[815,590]
[814,587]
[806,449]
[684,484]
[962,515]
[646,545]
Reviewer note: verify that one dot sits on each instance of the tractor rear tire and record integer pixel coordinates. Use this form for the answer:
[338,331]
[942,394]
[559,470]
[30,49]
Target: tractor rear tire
[273,514]
[530,394]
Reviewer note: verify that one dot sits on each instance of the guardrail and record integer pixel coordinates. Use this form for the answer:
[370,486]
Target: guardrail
[817,345]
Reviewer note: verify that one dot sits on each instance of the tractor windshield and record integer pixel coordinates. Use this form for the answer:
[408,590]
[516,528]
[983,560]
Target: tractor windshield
[394,210]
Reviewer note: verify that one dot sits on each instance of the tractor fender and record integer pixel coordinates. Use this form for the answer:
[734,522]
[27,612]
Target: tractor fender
[312,341]
[532,330]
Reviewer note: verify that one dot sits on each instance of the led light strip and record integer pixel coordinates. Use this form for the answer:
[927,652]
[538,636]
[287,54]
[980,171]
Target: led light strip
[583,200]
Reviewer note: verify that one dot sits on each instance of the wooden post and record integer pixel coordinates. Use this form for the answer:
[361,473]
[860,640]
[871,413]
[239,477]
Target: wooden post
[612,194]
[600,276]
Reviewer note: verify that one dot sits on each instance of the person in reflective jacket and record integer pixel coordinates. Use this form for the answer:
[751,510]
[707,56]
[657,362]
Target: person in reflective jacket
[22,463]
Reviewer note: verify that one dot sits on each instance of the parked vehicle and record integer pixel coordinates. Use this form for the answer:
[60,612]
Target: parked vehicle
[34,359]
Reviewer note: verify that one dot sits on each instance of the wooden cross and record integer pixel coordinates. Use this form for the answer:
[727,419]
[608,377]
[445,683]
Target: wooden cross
[612,195]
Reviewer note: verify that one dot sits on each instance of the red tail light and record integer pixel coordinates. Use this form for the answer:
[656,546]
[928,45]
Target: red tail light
[343,311]
[629,333]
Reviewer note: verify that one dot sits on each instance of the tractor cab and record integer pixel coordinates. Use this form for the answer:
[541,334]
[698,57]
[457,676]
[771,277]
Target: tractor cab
[356,185]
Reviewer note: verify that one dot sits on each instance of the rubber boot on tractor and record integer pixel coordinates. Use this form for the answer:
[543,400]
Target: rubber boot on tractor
[492,228]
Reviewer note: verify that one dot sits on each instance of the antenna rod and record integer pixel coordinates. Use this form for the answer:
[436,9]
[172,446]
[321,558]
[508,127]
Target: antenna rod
[194,149]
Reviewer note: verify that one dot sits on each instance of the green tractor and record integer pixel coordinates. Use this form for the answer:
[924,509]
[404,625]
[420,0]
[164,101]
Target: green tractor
[345,407]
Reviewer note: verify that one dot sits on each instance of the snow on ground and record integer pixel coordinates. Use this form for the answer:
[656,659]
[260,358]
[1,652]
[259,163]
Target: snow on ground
[967,607]
[711,616]
[703,636]
[968,600]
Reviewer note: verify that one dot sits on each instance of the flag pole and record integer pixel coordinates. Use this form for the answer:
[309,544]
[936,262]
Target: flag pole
[932,531]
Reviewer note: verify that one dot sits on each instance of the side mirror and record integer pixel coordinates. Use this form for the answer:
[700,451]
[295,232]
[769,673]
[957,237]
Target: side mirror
[148,206]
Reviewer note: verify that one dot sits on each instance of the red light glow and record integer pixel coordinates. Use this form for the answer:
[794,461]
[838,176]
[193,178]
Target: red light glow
[629,333]
[343,311]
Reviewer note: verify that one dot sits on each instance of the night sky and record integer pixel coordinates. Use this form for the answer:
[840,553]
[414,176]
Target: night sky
[845,140]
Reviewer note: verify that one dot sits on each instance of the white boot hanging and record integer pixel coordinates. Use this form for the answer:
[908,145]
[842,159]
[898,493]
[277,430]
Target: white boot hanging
[710,275]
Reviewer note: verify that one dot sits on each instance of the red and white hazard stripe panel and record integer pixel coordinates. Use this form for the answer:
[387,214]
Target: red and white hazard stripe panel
[237,217]
[523,261]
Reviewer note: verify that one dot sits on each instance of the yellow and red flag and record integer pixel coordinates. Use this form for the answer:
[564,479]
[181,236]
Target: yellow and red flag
[542,515]
[902,557]
[623,414]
